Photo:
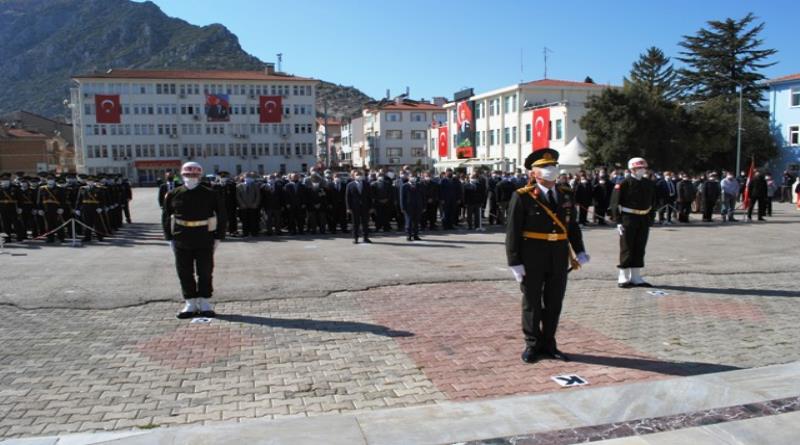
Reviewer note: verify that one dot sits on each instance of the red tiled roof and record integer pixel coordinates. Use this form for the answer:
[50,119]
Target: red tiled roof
[190,75]
[332,121]
[784,78]
[560,83]
[405,106]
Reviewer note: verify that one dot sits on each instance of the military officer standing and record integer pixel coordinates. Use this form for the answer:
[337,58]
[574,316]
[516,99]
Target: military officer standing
[51,200]
[542,238]
[10,210]
[194,222]
[631,205]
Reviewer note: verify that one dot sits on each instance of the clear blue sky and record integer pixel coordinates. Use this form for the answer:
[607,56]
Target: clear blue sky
[437,47]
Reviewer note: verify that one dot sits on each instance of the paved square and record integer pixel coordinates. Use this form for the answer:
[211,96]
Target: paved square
[318,325]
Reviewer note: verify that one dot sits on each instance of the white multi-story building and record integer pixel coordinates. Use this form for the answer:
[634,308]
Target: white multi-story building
[504,122]
[394,133]
[353,142]
[164,122]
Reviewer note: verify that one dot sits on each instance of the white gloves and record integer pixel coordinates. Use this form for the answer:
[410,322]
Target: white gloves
[99,210]
[19,211]
[78,212]
[60,211]
[583,258]
[216,243]
[620,229]
[518,271]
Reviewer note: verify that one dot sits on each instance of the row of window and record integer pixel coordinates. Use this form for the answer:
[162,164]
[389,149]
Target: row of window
[795,98]
[137,151]
[509,104]
[195,109]
[398,134]
[195,129]
[397,152]
[184,89]
[794,135]
[414,116]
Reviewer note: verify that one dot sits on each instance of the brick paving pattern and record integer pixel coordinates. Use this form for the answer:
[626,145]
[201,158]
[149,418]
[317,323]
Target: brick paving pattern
[68,370]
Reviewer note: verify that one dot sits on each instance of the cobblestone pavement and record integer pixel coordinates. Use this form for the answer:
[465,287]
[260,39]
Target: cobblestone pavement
[87,370]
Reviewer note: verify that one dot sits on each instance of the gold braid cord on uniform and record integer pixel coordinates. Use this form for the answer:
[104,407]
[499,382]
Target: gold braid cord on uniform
[573,260]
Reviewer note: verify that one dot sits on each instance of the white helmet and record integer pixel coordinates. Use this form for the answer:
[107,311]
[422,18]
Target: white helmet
[637,163]
[192,169]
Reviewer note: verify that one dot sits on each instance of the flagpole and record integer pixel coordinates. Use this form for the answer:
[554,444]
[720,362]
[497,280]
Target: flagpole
[739,133]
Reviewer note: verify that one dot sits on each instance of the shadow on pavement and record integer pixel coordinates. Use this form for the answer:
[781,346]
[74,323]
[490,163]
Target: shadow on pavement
[682,369]
[734,291]
[315,325]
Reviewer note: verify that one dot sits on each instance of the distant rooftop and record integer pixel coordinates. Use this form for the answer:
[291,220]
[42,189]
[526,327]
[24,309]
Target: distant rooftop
[781,79]
[191,74]
[402,105]
[560,83]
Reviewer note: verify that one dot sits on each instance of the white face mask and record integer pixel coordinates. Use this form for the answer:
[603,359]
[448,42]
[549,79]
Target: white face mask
[190,183]
[359,178]
[5,183]
[549,173]
[390,175]
[638,173]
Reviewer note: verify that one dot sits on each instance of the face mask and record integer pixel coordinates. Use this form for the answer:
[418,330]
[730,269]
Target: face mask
[584,181]
[337,180]
[5,183]
[549,173]
[638,173]
[248,180]
[51,183]
[390,175]
[359,178]
[729,176]
[191,183]
[602,181]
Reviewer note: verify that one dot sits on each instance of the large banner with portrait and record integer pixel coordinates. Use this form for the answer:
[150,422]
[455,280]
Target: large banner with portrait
[218,108]
[465,129]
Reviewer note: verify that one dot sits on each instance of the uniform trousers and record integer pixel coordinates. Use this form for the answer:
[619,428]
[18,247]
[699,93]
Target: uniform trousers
[543,290]
[191,262]
[360,222]
[633,241]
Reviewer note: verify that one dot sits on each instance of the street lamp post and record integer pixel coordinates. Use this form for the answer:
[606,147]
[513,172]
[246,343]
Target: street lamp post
[739,133]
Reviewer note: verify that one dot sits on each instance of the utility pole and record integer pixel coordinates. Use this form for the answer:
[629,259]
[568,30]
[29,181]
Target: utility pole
[739,135]
[280,59]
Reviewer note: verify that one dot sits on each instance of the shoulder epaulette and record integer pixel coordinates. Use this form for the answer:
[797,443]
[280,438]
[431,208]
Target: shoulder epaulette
[564,188]
[524,190]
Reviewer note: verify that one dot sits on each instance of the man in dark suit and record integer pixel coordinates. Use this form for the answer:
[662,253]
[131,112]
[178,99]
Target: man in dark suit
[170,183]
[542,238]
[358,199]
[337,216]
[757,192]
[412,204]
[295,199]
[431,192]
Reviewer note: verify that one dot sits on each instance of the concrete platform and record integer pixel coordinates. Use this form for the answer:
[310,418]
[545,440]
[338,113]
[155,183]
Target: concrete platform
[768,396]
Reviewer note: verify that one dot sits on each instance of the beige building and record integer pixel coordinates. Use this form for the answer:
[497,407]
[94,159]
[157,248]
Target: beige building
[504,122]
[393,133]
[32,152]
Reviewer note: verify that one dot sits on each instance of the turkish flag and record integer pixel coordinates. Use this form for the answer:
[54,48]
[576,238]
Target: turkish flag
[746,194]
[541,128]
[107,109]
[443,142]
[270,109]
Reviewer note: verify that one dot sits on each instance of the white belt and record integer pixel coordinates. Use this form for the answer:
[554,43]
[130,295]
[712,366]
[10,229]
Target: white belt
[624,209]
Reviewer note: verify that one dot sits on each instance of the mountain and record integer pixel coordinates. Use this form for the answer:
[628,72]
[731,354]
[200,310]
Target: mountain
[45,42]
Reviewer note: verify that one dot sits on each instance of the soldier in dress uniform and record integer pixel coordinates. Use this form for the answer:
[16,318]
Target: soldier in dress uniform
[193,220]
[10,210]
[631,207]
[28,206]
[50,199]
[89,207]
[542,238]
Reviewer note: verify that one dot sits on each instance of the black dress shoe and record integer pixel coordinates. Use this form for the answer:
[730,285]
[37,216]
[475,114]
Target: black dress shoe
[643,284]
[417,238]
[208,314]
[627,285]
[355,241]
[558,355]
[185,315]
[408,238]
[367,240]
[530,355]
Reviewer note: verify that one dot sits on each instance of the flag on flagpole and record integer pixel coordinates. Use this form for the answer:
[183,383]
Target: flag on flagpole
[746,199]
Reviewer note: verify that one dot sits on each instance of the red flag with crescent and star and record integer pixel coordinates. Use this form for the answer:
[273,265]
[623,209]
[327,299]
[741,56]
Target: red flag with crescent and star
[107,109]
[443,142]
[270,109]
[541,128]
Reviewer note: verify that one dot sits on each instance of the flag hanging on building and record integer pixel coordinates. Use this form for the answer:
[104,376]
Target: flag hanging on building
[270,109]
[443,141]
[465,131]
[218,108]
[107,108]
[541,128]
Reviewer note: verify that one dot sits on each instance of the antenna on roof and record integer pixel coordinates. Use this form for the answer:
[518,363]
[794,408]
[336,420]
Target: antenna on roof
[545,51]
[521,70]
[280,59]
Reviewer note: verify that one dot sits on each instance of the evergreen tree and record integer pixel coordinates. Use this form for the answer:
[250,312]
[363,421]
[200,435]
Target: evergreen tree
[720,57]
[588,80]
[655,74]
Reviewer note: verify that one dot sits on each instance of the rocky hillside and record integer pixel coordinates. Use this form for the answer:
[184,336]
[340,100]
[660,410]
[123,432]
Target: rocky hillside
[44,42]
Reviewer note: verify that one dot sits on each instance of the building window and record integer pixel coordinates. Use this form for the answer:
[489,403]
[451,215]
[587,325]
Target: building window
[394,134]
[418,134]
[394,152]
[559,129]
[418,117]
[506,135]
[513,135]
[527,132]
[491,108]
[417,152]
[794,135]
[795,98]
[491,138]
[393,117]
